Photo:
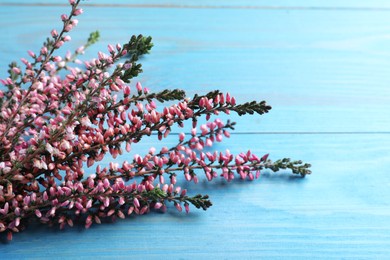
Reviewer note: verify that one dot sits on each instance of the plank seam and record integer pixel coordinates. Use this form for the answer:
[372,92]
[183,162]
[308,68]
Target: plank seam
[302,133]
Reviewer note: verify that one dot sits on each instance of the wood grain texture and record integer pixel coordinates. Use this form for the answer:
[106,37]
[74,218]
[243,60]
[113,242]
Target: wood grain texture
[372,5]
[340,212]
[320,70]
[324,70]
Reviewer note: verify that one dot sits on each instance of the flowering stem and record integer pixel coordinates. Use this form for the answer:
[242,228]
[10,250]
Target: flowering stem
[37,74]
[64,121]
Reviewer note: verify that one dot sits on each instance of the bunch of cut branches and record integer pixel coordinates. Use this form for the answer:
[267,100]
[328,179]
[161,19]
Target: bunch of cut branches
[60,115]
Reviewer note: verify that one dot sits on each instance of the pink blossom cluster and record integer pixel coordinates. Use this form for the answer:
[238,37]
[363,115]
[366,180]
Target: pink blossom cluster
[60,116]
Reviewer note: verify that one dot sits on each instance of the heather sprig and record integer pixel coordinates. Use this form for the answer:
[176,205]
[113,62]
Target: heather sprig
[53,126]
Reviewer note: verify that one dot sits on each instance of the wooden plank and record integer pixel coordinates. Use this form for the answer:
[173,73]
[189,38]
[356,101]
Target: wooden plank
[373,5]
[320,70]
[341,211]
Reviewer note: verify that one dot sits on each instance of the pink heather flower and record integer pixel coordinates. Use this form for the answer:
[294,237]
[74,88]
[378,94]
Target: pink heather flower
[136,203]
[111,48]
[5,209]
[178,207]
[165,188]
[74,22]
[70,222]
[38,213]
[68,56]
[128,147]
[32,54]
[121,201]
[72,2]
[57,58]
[44,50]
[181,137]
[143,210]
[101,55]
[233,101]
[68,28]
[97,219]
[80,50]
[66,38]
[158,205]
[110,212]
[228,98]
[4,82]
[59,44]
[45,196]
[61,64]
[65,145]
[39,164]
[54,33]
[138,87]
[130,210]
[152,150]
[120,214]
[161,179]
[78,12]
[16,70]
[6,169]
[126,90]
[64,17]
[173,179]
[85,121]
[195,179]
[264,158]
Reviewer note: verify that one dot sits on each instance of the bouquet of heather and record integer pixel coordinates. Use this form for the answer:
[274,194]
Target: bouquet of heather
[60,115]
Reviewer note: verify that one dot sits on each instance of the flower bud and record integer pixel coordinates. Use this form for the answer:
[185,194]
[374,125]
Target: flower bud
[78,12]
[64,17]
[54,33]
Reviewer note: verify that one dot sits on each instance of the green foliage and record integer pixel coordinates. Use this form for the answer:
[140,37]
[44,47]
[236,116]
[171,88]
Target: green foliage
[93,38]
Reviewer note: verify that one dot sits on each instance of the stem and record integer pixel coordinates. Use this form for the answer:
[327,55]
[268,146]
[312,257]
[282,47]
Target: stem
[155,195]
[47,58]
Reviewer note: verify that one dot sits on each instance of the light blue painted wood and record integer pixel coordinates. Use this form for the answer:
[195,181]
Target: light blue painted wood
[322,70]
[339,212]
[282,4]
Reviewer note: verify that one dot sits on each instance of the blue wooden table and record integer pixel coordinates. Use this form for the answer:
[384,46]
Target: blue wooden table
[324,66]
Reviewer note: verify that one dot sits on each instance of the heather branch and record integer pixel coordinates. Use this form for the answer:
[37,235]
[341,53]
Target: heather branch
[50,130]
[136,47]
[131,198]
[297,167]
[92,39]
[46,56]
[188,112]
